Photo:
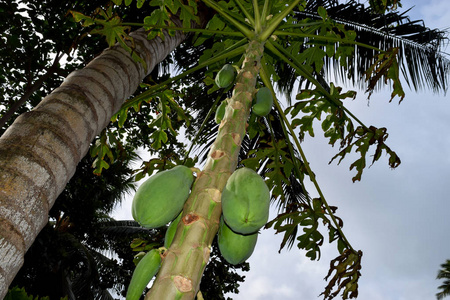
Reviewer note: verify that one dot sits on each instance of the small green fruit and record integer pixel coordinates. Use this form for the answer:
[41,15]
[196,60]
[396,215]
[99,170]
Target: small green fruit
[235,248]
[160,199]
[147,267]
[220,111]
[264,102]
[225,76]
[170,233]
[245,201]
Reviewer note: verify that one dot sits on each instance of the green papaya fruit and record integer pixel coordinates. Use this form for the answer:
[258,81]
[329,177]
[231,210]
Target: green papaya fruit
[220,111]
[225,76]
[234,247]
[263,103]
[245,201]
[170,233]
[161,198]
[147,267]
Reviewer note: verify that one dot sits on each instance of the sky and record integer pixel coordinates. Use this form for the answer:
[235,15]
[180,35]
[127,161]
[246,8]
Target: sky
[399,218]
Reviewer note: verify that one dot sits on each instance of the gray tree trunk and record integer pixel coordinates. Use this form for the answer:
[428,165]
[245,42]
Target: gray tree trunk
[41,149]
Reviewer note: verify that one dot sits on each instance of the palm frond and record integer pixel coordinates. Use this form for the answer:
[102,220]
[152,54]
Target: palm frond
[444,273]
[115,229]
[422,62]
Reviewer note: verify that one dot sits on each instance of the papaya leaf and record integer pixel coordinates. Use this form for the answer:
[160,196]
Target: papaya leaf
[110,27]
[79,17]
[366,137]
[149,167]
[154,22]
[99,150]
[277,161]
[386,66]
[162,16]
[168,113]
[288,223]
[139,3]
[346,269]
[338,126]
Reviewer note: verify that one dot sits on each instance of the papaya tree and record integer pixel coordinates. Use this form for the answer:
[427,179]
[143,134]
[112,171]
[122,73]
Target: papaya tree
[261,40]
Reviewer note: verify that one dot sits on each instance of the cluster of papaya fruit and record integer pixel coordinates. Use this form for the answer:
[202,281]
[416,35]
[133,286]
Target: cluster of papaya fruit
[158,201]
[262,104]
[245,209]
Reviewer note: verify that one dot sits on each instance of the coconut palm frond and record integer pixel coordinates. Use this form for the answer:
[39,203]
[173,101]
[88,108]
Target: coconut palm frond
[444,273]
[421,60]
[115,229]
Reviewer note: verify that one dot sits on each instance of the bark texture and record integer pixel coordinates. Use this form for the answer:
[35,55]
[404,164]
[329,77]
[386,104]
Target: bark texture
[40,151]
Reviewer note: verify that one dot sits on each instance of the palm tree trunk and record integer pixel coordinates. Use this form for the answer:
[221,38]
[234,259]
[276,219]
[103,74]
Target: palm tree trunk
[41,149]
[185,261]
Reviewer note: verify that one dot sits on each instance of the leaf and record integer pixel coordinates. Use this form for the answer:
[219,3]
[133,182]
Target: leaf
[322,12]
[386,66]
[366,138]
[159,137]
[139,3]
[346,268]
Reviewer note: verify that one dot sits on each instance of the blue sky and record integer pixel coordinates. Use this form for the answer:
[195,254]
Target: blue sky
[398,218]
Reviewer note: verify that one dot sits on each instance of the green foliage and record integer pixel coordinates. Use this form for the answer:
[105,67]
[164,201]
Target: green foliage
[100,150]
[366,137]
[380,6]
[347,267]
[444,273]
[386,66]
[309,218]
[167,109]
[110,26]
[17,293]
[338,126]
[296,46]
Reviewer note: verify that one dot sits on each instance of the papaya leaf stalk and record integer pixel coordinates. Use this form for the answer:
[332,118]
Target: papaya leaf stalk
[185,260]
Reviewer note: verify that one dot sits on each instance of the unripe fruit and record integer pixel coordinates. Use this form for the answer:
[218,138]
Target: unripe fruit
[220,112]
[147,267]
[161,198]
[225,76]
[170,233]
[235,248]
[263,103]
[245,201]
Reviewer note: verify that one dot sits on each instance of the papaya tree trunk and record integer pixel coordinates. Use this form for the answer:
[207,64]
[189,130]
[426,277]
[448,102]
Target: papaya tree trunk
[185,261]
[41,149]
